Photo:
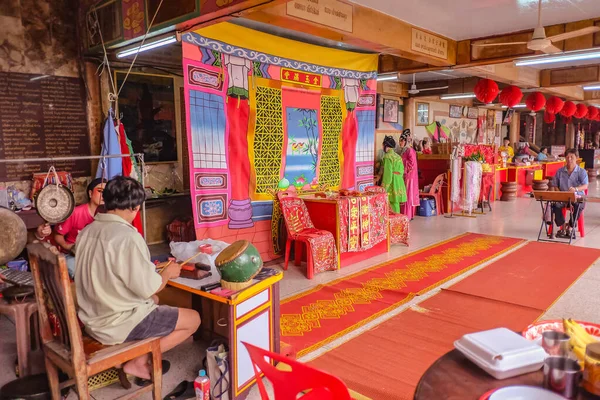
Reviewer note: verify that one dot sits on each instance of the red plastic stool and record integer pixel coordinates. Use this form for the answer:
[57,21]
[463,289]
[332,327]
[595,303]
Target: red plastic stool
[288,384]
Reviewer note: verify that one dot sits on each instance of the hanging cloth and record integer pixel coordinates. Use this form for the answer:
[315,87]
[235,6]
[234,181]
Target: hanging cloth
[127,164]
[110,146]
[128,170]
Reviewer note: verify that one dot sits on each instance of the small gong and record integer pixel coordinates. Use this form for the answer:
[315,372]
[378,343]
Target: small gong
[55,203]
[13,235]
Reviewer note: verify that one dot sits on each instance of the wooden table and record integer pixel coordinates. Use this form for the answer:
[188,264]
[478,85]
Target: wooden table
[250,315]
[454,377]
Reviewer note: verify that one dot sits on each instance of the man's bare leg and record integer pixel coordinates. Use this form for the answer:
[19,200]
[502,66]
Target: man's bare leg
[188,322]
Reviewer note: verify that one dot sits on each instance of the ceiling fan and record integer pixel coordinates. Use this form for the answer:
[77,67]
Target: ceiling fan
[539,41]
[414,90]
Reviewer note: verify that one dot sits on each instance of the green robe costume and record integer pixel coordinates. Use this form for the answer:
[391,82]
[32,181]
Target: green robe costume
[393,179]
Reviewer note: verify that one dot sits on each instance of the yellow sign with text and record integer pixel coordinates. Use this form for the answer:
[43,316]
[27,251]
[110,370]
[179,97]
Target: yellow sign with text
[332,13]
[426,43]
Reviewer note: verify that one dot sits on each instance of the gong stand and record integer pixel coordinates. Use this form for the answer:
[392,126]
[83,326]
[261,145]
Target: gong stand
[138,156]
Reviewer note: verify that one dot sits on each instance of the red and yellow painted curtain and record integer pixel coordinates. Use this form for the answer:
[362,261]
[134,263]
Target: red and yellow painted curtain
[264,113]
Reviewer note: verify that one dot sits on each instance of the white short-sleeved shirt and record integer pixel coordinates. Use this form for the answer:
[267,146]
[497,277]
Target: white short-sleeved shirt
[114,277]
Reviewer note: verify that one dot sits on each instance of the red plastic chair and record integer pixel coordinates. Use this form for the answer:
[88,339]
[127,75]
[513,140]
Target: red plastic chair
[302,378]
[299,228]
[436,193]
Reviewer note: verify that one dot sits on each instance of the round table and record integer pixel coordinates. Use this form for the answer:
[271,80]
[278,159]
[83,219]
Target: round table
[454,377]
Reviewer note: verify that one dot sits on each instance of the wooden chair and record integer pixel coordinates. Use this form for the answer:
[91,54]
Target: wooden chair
[436,192]
[77,355]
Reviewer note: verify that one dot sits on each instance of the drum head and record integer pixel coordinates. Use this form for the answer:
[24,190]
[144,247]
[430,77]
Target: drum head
[13,235]
[55,203]
[231,252]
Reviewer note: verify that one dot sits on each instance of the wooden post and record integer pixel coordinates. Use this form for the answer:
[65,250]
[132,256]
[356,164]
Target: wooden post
[409,114]
[513,132]
[570,136]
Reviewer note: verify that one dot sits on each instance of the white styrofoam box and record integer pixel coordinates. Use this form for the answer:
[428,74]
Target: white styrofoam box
[501,352]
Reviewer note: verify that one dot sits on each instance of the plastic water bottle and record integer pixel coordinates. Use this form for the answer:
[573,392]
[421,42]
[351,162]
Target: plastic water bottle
[202,386]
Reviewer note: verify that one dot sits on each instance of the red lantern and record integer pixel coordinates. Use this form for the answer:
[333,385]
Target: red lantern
[554,105]
[486,90]
[592,113]
[549,117]
[568,109]
[581,111]
[510,96]
[535,101]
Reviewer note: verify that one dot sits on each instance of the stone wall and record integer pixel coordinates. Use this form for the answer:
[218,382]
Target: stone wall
[39,37]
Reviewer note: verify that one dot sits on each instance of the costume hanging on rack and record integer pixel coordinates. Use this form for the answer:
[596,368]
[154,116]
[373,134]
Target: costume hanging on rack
[472,185]
[110,146]
[128,170]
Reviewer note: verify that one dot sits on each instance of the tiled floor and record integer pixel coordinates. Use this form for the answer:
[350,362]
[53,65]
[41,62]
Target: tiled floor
[520,219]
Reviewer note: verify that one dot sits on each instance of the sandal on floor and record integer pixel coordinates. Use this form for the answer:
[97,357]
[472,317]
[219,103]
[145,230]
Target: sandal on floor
[184,390]
[166,366]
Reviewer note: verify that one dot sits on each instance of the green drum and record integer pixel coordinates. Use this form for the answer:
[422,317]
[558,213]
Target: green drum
[238,264]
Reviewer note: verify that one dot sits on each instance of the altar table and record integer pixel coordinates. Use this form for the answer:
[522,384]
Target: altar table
[360,225]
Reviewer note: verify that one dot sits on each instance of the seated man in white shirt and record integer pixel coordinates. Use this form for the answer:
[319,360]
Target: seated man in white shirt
[116,280]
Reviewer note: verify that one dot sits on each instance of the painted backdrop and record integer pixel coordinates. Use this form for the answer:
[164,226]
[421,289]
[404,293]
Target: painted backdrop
[264,112]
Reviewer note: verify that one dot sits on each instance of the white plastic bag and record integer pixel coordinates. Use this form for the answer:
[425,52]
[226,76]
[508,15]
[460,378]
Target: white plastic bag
[184,250]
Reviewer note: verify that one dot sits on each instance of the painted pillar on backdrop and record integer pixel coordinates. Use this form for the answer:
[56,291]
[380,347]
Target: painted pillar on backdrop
[240,207]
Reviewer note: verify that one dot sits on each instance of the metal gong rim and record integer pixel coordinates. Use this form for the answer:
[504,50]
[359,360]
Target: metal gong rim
[55,203]
[13,235]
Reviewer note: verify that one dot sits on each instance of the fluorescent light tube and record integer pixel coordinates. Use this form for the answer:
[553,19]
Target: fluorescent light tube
[147,46]
[457,96]
[517,106]
[565,57]
[387,78]
[594,87]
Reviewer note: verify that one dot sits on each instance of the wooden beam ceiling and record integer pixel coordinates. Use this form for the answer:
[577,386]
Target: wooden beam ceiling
[469,54]
[581,75]
[366,28]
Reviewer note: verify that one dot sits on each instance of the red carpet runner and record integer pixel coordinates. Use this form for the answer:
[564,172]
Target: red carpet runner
[314,318]
[511,292]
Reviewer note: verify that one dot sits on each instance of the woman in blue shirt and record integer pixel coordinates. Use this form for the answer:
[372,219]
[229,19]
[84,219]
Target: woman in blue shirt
[543,154]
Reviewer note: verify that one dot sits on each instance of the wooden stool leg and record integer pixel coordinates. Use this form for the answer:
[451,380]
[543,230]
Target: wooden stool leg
[156,373]
[23,339]
[52,373]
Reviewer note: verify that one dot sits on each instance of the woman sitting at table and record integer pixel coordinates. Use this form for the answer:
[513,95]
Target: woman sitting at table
[543,154]
[393,174]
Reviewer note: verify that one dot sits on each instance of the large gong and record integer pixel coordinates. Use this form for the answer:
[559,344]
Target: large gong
[55,203]
[13,235]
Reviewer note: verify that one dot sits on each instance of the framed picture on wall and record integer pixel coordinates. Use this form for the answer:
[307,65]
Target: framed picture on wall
[455,111]
[390,110]
[147,109]
[422,114]
[473,113]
